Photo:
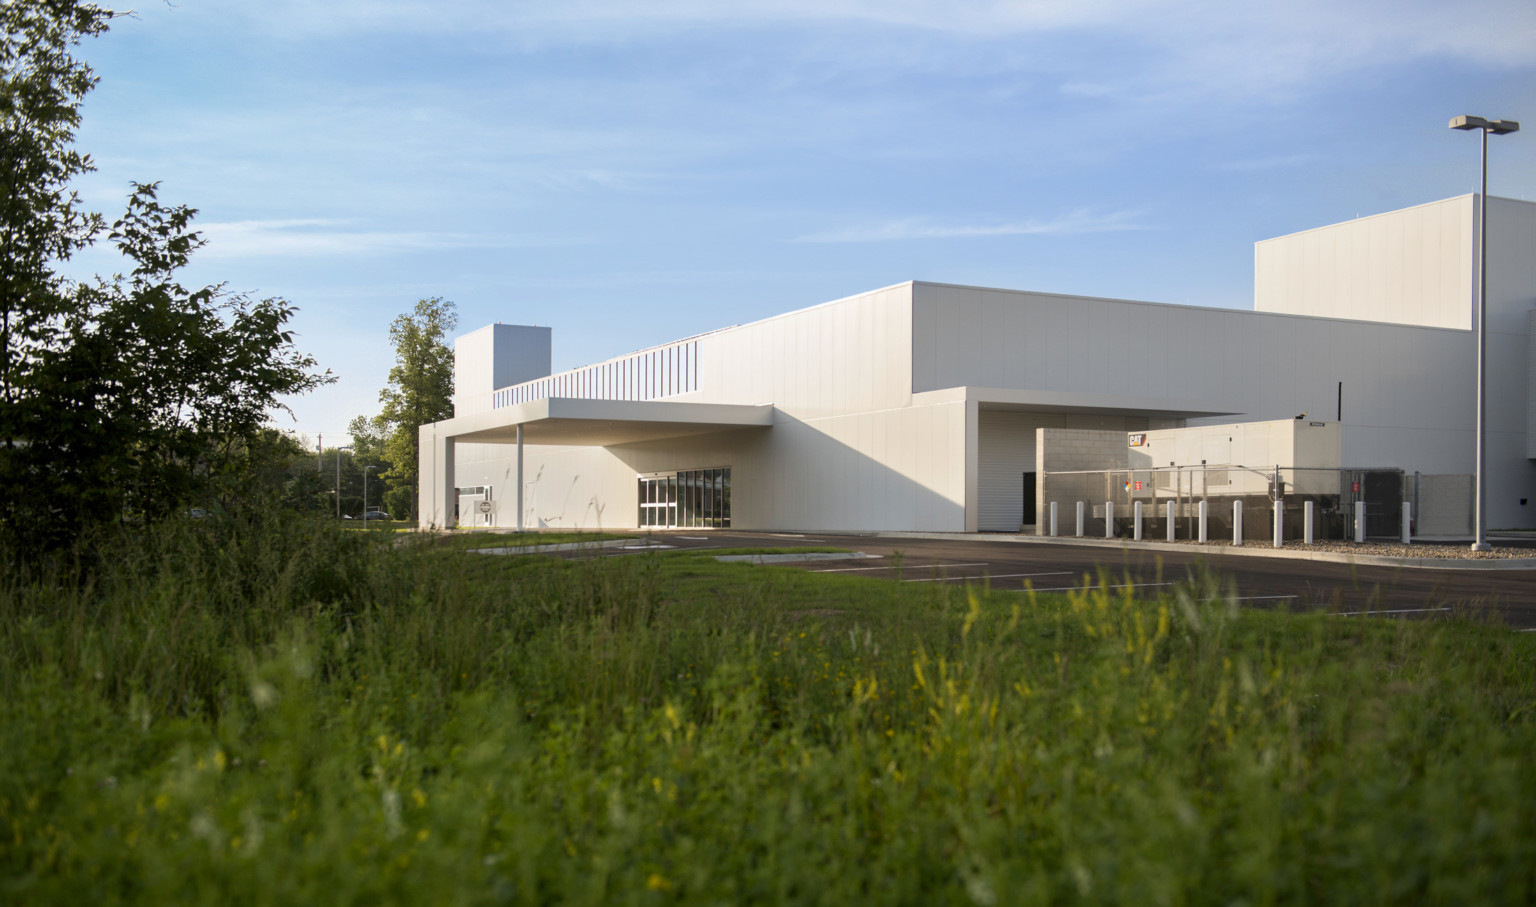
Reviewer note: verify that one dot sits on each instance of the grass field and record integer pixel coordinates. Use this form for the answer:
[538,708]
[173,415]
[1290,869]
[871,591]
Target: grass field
[288,713]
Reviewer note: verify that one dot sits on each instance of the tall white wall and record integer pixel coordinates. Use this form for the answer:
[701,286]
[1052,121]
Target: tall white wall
[848,450]
[563,487]
[847,356]
[1413,266]
[1408,391]
[897,469]
[1419,266]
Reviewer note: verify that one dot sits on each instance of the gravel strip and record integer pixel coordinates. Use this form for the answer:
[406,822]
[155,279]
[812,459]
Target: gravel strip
[1461,551]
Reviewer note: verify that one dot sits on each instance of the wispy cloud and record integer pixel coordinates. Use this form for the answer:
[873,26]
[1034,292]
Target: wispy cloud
[1483,31]
[1254,165]
[318,237]
[926,228]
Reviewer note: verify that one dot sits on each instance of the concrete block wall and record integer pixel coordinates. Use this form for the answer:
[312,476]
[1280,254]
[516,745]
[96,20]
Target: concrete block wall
[1068,449]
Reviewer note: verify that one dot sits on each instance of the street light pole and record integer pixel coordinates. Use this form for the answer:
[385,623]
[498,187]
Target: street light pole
[1480,493]
[338,480]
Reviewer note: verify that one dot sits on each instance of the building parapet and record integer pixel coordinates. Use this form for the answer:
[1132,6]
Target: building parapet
[653,374]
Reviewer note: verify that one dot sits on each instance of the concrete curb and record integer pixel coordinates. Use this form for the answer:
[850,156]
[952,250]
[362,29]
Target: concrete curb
[1364,560]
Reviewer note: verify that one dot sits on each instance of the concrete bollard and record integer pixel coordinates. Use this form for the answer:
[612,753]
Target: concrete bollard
[1360,522]
[1080,519]
[1136,521]
[1171,522]
[1308,533]
[1053,519]
[1279,522]
[1407,522]
[1203,536]
[1237,523]
[1109,519]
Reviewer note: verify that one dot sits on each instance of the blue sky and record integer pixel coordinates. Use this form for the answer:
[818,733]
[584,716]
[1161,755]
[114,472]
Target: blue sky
[632,173]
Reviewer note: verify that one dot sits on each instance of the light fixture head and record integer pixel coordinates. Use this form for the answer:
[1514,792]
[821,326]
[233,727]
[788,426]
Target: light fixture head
[1497,127]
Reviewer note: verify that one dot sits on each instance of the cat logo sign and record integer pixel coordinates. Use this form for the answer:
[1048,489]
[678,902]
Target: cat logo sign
[1139,439]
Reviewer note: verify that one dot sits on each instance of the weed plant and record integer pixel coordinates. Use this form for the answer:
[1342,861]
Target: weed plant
[280,712]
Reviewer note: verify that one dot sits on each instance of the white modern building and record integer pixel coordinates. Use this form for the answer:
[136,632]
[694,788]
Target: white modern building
[924,406]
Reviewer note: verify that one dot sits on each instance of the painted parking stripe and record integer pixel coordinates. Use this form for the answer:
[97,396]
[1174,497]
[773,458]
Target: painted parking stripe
[1396,611]
[946,579]
[632,553]
[892,567]
[1081,588]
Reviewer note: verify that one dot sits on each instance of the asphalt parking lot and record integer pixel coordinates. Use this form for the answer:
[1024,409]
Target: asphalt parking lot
[1272,582]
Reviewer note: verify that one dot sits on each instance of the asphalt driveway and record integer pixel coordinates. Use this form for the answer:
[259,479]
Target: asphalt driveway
[1354,589]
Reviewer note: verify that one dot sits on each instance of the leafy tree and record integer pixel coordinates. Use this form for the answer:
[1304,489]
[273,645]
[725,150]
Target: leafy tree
[420,391]
[129,396]
[368,437]
[41,222]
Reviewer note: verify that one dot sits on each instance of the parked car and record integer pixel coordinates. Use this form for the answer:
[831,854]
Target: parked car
[376,515]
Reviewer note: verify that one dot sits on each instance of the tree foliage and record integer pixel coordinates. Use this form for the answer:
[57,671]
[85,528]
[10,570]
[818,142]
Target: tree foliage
[368,437]
[420,389]
[132,395]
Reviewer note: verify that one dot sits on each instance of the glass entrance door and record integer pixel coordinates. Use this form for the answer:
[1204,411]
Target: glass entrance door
[687,499]
[658,502]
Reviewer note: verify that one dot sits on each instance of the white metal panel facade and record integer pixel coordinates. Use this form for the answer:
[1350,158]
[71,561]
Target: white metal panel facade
[1413,266]
[877,398]
[1408,391]
[1007,450]
[898,469]
[1530,388]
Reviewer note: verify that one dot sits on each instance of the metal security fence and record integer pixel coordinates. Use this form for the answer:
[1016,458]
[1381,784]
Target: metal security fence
[1108,500]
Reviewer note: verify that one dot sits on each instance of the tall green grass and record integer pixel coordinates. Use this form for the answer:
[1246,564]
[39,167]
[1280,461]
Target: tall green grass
[282,712]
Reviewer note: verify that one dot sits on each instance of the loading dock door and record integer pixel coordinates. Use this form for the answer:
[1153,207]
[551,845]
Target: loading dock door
[1006,449]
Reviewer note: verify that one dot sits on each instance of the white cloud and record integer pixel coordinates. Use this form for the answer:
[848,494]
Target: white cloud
[1184,54]
[925,228]
[316,237]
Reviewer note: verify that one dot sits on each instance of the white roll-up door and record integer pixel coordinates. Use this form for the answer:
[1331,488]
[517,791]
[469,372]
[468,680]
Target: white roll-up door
[1006,450]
